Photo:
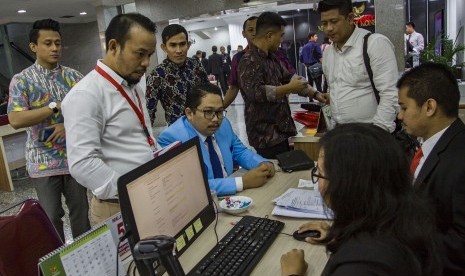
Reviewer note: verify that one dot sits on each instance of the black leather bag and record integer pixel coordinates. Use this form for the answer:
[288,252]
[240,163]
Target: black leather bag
[315,70]
[295,160]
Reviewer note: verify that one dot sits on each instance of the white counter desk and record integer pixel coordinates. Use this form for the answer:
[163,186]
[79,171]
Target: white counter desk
[315,255]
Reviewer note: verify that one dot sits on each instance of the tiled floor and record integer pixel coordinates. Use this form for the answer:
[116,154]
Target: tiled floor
[24,188]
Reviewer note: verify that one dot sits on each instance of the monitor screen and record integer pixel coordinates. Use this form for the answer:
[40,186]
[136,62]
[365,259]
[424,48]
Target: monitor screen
[167,198]
[168,195]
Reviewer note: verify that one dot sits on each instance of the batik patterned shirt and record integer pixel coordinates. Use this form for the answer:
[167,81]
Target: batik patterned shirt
[170,83]
[268,119]
[33,88]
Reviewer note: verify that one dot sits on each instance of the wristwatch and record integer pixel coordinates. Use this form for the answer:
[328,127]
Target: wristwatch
[53,107]
[316,93]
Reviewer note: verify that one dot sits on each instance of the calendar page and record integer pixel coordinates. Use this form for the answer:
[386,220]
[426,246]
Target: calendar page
[93,254]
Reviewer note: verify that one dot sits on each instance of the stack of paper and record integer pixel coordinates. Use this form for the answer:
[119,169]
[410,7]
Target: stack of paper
[301,203]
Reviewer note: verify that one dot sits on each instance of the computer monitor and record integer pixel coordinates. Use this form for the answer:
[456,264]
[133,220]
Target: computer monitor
[168,195]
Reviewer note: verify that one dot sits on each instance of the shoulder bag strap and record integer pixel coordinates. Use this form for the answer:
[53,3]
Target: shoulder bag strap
[366,59]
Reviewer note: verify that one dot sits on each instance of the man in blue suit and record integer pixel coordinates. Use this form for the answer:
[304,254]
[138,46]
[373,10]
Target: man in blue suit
[205,118]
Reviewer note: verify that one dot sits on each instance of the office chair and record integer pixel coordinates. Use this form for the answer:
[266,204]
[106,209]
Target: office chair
[25,237]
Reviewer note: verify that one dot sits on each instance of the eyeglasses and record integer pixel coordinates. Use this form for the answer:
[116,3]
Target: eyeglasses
[315,176]
[209,114]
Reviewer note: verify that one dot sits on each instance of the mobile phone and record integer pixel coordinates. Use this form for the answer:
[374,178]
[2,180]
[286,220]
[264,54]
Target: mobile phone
[45,133]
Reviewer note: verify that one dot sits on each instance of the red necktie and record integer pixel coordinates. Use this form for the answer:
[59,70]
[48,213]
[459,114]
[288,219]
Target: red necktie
[416,160]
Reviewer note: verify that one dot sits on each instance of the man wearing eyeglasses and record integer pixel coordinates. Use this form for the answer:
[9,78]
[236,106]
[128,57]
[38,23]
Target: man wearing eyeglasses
[221,148]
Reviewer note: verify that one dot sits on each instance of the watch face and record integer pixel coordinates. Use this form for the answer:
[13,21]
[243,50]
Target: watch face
[52,105]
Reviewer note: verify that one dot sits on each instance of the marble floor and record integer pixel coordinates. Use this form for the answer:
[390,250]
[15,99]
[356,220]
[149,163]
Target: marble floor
[24,189]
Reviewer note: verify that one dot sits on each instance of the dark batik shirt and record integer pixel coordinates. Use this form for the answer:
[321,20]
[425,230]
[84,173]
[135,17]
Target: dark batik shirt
[169,83]
[268,120]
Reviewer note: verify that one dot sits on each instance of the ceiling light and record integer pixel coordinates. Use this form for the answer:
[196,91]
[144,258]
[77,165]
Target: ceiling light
[216,29]
[83,13]
[21,11]
[298,10]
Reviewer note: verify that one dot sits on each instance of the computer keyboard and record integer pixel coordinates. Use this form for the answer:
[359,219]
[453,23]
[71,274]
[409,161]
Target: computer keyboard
[241,249]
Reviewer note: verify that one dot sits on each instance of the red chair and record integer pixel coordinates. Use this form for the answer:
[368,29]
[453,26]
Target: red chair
[4,120]
[25,237]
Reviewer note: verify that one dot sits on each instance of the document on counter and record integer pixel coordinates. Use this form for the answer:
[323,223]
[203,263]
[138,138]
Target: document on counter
[301,203]
[307,184]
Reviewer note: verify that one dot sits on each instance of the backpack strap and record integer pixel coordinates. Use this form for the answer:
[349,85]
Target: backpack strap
[366,59]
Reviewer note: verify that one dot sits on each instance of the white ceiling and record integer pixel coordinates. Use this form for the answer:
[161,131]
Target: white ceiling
[55,9]
[40,9]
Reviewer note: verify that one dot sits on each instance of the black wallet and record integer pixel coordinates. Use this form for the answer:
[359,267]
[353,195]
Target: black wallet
[295,160]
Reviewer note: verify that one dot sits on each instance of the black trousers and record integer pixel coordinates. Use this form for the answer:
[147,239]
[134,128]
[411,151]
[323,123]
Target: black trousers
[271,152]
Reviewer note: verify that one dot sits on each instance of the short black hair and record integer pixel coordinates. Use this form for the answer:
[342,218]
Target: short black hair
[344,6]
[269,21]
[310,35]
[195,95]
[433,81]
[247,20]
[44,24]
[172,30]
[410,24]
[214,49]
[121,24]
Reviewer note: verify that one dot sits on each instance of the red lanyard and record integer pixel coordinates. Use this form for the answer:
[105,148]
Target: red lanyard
[138,111]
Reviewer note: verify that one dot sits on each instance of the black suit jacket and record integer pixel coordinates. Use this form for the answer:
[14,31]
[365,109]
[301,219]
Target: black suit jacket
[442,181]
[215,64]
[372,255]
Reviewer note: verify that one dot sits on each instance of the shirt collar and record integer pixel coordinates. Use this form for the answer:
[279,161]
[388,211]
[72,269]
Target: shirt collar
[254,48]
[351,41]
[44,70]
[203,137]
[428,145]
[112,73]
[174,66]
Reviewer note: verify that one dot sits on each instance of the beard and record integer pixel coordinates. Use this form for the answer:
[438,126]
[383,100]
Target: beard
[131,81]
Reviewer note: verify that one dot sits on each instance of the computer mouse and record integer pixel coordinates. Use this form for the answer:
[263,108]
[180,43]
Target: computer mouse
[310,233]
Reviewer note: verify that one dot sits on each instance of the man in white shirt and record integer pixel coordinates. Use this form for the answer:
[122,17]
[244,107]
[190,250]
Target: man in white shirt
[429,98]
[414,41]
[352,97]
[106,120]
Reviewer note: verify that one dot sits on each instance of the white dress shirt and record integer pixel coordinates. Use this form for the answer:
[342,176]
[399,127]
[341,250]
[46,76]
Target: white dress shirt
[352,97]
[104,137]
[426,147]
[239,182]
[417,41]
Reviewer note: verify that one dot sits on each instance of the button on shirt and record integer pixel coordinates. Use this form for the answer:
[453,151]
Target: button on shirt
[239,183]
[427,146]
[352,97]
[33,88]
[104,136]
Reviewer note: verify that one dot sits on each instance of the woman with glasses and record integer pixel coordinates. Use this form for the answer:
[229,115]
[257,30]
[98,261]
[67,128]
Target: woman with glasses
[379,227]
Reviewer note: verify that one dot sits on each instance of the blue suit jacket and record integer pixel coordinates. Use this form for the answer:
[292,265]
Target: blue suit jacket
[232,150]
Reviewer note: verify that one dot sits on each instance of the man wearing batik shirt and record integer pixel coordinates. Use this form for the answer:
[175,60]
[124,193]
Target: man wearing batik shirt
[266,85]
[35,102]
[174,78]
